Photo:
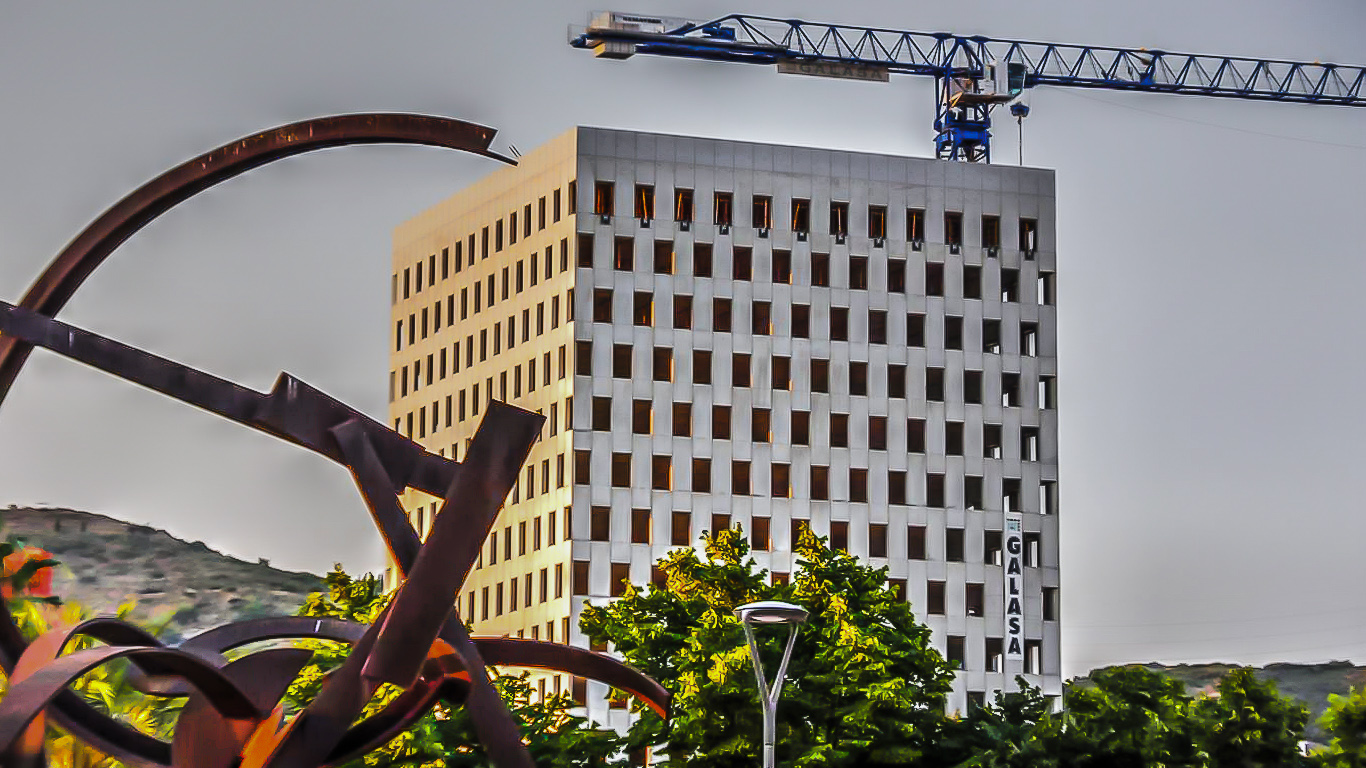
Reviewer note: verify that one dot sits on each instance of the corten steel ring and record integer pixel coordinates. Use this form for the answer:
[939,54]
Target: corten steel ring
[229,702]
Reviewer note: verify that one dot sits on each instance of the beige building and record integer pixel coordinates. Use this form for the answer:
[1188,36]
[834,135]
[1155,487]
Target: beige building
[726,333]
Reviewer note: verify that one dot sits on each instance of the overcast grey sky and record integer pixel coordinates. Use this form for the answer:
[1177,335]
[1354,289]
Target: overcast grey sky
[1210,273]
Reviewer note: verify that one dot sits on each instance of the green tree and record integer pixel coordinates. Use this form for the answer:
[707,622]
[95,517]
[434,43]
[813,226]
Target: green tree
[865,687]
[1002,734]
[1345,721]
[1127,717]
[1248,724]
[445,737]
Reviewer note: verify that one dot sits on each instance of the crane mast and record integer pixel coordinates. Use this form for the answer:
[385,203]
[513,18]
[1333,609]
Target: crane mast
[973,74]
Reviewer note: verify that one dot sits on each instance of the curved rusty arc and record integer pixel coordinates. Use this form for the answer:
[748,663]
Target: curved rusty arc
[69,270]
[56,285]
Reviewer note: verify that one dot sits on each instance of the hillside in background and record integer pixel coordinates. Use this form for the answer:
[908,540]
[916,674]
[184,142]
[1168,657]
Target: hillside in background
[1310,683]
[107,562]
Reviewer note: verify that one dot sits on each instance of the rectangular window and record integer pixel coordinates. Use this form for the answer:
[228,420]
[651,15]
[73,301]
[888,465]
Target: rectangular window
[664,257]
[896,487]
[839,535]
[722,210]
[934,606]
[858,273]
[820,376]
[915,435]
[600,524]
[643,309]
[1045,296]
[1029,236]
[974,603]
[782,266]
[603,196]
[762,212]
[877,223]
[877,326]
[820,483]
[953,332]
[663,364]
[1010,285]
[877,433]
[915,227]
[682,419]
[602,305]
[645,203]
[915,330]
[972,282]
[782,373]
[621,361]
[720,322]
[953,230]
[896,381]
[801,216]
[839,219]
[781,481]
[739,370]
[991,336]
[934,384]
[934,279]
[640,416]
[801,427]
[720,422]
[858,486]
[742,262]
[839,324]
[915,542]
[820,270]
[640,526]
[680,529]
[972,387]
[759,534]
[858,378]
[621,470]
[624,254]
[683,205]
[801,321]
[761,426]
[701,367]
[661,473]
[585,251]
[701,475]
[701,259]
[934,490]
[682,312]
[991,234]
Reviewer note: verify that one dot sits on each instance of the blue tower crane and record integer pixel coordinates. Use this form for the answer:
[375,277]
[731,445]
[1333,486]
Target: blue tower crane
[973,74]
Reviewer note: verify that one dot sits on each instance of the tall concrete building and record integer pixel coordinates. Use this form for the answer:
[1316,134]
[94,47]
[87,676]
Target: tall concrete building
[727,333]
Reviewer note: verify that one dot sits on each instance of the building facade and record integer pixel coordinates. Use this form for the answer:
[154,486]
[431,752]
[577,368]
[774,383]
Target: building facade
[726,333]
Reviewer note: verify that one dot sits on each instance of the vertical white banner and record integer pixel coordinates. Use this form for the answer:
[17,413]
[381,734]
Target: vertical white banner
[1014,586]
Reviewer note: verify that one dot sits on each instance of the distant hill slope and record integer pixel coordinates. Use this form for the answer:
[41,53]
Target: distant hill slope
[1310,683]
[106,562]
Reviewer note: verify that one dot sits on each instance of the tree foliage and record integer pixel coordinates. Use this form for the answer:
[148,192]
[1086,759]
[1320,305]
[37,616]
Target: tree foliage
[1345,721]
[865,687]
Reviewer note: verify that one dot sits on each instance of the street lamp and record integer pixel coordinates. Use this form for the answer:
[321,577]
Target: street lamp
[770,612]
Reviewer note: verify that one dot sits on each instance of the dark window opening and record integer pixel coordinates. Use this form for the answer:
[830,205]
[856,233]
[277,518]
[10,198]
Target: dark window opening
[603,194]
[839,220]
[645,203]
[722,210]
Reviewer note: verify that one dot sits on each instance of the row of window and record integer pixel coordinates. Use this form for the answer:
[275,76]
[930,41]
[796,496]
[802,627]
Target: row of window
[465,403]
[820,272]
[799,216]
[462,253]
[411,377]
[724,312]
[953,551]
[818,373]
[684,423]
[709,477]
[428,320]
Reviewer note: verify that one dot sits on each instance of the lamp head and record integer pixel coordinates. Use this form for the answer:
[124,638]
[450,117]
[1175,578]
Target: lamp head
[771,612]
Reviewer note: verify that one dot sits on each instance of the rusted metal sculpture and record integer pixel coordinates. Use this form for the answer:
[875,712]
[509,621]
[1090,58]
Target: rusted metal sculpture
[233,716]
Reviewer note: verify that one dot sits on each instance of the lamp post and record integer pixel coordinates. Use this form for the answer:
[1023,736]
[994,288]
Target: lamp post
[770,612]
